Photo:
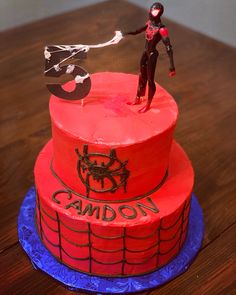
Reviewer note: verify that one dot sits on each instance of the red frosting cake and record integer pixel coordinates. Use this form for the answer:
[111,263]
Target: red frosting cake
[113,188]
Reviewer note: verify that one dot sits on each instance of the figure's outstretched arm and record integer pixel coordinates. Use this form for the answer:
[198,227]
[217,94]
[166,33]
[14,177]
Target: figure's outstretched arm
[135,32]
[166,40]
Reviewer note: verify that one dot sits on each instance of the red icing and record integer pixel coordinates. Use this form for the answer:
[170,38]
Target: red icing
[143,233]
[106,122]
[142,237]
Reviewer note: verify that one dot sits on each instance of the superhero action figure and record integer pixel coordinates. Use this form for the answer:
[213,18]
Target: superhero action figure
[155,31]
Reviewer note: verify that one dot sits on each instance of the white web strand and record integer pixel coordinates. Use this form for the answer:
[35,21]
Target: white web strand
[75,49]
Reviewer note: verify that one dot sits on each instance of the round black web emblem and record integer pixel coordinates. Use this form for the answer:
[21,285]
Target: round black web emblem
[106,170]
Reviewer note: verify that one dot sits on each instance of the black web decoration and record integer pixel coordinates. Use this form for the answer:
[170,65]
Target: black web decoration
[56,65]
[181,225]
[110,172]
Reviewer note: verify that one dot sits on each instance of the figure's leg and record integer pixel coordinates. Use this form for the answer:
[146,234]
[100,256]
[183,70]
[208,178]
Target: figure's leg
[143,77]
[151,67]
[151,75]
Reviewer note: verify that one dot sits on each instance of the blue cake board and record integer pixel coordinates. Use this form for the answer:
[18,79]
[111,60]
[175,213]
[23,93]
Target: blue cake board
[74,280]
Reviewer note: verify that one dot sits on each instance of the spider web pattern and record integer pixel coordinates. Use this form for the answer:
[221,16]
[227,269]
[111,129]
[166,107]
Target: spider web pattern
[42,215]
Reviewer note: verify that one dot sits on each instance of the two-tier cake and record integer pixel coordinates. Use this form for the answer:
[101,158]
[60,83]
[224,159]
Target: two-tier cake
[113,187]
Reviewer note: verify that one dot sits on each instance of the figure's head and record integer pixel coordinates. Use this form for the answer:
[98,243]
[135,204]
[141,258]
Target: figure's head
[156,11]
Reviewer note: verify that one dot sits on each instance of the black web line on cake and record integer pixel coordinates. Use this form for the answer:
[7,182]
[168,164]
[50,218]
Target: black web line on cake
[59,235]
[114,237]
[124,250]
[117,237]
[70,191]
[39,215]
[45,212]
[181,230]
[90,247]
[75,244]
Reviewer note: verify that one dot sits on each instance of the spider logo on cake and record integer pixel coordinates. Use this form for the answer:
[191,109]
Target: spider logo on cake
[100,172]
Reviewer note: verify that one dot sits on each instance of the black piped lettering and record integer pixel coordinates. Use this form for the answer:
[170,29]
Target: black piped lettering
[153,207]
[107,208]
[125,215]
[90,209]
[76,205]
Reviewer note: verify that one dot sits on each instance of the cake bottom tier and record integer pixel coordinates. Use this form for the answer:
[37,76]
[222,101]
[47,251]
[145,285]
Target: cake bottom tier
[114,238]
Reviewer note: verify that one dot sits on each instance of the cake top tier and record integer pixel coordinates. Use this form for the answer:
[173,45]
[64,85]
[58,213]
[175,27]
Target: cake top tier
[107,119]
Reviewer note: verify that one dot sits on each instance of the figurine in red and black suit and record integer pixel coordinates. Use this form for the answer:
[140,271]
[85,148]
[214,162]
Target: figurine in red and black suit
[155,31]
